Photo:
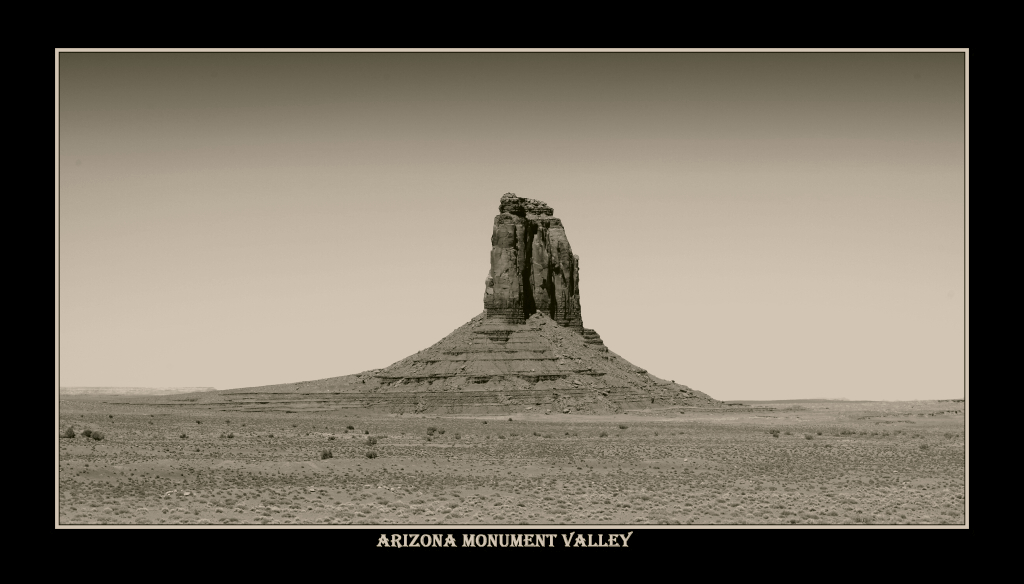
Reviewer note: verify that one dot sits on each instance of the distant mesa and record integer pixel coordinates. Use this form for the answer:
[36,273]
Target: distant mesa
[132,390]
[527,351]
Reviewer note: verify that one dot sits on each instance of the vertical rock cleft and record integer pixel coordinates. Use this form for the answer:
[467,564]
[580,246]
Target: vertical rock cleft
[533,268]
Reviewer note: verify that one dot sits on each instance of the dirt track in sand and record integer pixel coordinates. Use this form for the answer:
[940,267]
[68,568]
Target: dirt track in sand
[864,463]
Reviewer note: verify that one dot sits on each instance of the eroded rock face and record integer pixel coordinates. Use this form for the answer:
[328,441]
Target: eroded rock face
[533,268]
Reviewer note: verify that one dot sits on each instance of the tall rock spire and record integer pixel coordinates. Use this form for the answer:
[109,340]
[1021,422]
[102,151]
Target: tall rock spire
[533,268]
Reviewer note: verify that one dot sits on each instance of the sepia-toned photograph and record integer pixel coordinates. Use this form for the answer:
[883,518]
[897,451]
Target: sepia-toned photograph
[511,291]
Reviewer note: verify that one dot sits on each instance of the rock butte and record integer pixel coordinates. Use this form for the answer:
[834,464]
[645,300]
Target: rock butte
[527,351]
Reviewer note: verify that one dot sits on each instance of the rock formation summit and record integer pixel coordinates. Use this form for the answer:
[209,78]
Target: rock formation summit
[527,351]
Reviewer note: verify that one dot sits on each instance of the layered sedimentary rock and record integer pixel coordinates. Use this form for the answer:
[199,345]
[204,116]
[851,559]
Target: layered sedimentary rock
[485,366]
[533,268]
[527,351]
[593,339]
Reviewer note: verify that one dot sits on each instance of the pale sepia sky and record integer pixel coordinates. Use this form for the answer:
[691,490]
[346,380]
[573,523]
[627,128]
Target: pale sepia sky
[753,225]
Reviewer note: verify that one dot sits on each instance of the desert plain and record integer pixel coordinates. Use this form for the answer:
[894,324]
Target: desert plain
[802,462]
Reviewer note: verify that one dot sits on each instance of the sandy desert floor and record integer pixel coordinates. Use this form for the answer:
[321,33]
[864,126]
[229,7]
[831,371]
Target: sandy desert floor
[776,463]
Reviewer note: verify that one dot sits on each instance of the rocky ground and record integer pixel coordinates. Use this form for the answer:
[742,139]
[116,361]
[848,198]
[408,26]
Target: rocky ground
[820,462]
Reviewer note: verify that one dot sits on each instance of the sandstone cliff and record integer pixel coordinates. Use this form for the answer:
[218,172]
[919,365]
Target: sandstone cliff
[533,268]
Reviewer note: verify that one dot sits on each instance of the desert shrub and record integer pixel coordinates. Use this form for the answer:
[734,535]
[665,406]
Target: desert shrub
[458,436]
[819,433]
[330,437]
[69,433]
[485,421]
[536,433]
[501,436]
[775,435]
[349,427]
[510,419]
[371,454]
[371,441]
[97,435]
[429,438]
[183,435]
[809,436]
[623,426]
[111,416]
[948,435]
[788,433]
[231,434]
[87,433]
[923,447]
[198,422]
[431,430]
[325,454]
[440,431]
[603,434]
[270,436]
[366,431]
